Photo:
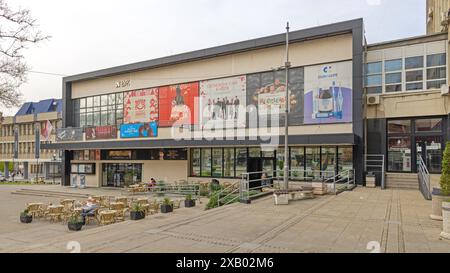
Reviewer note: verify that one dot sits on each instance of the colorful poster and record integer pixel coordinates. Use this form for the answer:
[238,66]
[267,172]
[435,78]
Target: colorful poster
[138,130]
[101,132]
[69,134]
[176,104]
[328,93]
[223,102]
[141,106]
[267,92]
[46,130]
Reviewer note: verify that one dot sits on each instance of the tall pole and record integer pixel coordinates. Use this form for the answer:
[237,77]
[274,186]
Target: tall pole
[286,120]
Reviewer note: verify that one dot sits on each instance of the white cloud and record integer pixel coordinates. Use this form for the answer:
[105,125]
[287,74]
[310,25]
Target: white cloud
[373,2]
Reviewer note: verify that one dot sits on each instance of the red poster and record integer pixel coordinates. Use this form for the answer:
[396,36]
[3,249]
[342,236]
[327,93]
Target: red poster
[176,103]
[141,106]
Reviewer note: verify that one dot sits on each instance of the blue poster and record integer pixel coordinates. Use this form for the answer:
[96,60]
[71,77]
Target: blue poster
[138,130]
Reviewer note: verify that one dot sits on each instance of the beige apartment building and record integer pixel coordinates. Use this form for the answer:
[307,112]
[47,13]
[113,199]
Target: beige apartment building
[44,117]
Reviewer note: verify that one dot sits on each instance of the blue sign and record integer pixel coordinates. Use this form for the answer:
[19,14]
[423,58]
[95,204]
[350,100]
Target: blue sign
[137,130]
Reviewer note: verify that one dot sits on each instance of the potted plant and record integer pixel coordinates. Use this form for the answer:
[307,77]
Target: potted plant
[189,202]
[166,206]
[137,212]
[75,223]
[25,217]
[445,188]
[442,193]
[445,234]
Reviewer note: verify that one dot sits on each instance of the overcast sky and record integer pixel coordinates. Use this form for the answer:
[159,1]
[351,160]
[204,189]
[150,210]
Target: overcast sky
[93,34]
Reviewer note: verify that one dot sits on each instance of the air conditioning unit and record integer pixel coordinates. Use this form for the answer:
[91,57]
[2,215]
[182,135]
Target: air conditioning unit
[373,99]
[445,90]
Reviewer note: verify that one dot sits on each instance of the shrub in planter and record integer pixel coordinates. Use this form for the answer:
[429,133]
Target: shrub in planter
[167,206]
[137,212]
[439,195]
[25,217]
[189,202]
[75,223]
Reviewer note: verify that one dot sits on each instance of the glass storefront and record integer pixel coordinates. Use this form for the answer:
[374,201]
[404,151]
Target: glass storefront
[121,174]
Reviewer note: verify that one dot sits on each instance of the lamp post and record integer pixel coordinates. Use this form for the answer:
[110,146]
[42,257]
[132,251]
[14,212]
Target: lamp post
[287,64]
[53,167]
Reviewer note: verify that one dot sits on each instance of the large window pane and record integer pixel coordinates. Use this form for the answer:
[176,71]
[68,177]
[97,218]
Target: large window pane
[373,80]
[394,88]
[414,62]
[436,84]
[393,65]
[313,162]
[429,125]
[436,60]
[206,162]
[436,73]
[414,86]
[280,162]
[83,103]
[297,163]
[228,156]
[399,154]
[393,78]
[96,101]
[373,68]
[104,100]
[414,76]
[374,90]
[429,148]
[328,161]
[195,162]
[241,161]
[345,158]
[254,152]
[399,126]
[217,162]
[89,102]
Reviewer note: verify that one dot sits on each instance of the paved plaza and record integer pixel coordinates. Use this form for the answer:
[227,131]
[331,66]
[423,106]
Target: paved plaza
[396,220]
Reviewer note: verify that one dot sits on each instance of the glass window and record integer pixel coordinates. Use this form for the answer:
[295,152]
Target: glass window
[436,73]
[414,86]
[254,152]
[399,154]
[393,65]
[217,162]
[313,162]
[195,162]
[104,100]
[373,68]
[83,103]
[373,80]
[228,163]
[394,88]
[414,62]
[206,162]
[436,60]
[374,90]
[429,125]
[393,78]
[345,158]
[96,101]
[328,161]
[399,126]
[436,84]
[297,162]
[241,161]
[280,162]
[76,105]
[414,76]
[429,148]
[96,119]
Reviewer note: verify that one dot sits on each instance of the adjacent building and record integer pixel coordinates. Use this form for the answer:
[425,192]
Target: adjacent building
[18,140]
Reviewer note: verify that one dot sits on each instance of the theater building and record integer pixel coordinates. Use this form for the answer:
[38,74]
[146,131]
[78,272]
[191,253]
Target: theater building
[210,113]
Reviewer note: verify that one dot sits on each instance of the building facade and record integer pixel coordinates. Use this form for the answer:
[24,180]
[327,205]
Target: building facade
[219,112]
[18,140]
[438,12]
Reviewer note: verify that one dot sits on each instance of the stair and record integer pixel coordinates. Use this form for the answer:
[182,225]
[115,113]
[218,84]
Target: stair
[44,193]
[402,181]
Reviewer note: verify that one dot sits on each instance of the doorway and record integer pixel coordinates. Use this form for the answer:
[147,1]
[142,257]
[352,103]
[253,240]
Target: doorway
[429,148]
[254,167]
[121,174]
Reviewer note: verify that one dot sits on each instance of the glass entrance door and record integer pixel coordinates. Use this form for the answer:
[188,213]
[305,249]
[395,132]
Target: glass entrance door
[429,148]
[121,174]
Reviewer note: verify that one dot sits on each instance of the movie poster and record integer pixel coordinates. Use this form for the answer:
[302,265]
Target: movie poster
[139,130]
[176,104]
[141,106]
[328,93]
[267,92]
[223,102]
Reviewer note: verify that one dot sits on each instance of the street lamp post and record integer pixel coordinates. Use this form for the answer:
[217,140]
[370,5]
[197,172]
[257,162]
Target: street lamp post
[287,64]
[53,167]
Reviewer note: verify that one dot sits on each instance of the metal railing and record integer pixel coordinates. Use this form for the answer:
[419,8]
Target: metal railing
[229,192]
[375,163]
[342,181]
[424,178]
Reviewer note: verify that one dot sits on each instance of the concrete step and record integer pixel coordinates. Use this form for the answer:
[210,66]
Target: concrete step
[402,181]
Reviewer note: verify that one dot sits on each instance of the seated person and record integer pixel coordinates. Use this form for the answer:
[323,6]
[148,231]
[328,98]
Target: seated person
[265,182]
[89,208]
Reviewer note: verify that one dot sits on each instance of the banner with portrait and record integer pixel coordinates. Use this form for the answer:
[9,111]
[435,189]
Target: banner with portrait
[139,130]
[141,106]
[223,102]
[177,104]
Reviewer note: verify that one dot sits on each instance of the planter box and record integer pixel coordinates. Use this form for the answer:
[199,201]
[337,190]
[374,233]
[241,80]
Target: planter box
[189,203]
[445,234]
[26,219]
[137,215]
[319,188]
[436,204]
[281,199]
[166,208]
[75,226]
[370,182]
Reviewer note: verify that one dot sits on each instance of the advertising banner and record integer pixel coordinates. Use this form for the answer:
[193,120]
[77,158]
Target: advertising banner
[223,102]
[176,104]
[16,143]
[328,93]
[46,130]
[69,134]
[267,92]
[141,106]
[101,132]
[139,130]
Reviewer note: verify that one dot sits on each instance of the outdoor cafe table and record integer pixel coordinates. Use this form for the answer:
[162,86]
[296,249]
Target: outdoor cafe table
[107,216]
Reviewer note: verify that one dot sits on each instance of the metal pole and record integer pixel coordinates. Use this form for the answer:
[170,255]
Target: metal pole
[286,121]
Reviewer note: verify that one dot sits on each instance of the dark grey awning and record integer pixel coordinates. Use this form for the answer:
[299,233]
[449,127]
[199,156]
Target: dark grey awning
[329,139]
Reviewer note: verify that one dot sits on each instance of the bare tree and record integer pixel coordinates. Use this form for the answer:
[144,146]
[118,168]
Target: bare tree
[17,30]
